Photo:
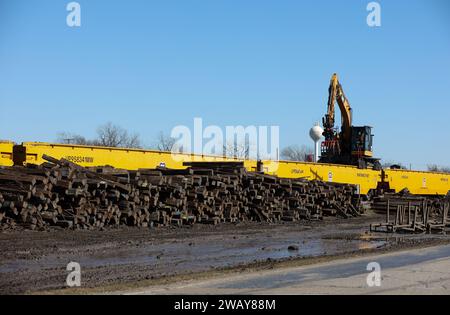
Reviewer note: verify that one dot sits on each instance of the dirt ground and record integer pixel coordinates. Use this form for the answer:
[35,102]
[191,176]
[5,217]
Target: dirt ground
[35,262]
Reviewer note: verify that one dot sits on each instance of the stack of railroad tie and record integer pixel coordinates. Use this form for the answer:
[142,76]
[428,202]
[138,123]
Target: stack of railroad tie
[61,193]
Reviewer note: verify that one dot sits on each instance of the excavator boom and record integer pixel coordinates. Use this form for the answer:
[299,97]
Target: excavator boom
[336,94]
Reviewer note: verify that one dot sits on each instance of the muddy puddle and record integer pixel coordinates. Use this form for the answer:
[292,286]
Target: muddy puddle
[193,256]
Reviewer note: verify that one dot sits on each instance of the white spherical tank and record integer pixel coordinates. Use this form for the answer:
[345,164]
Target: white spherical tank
[316,134]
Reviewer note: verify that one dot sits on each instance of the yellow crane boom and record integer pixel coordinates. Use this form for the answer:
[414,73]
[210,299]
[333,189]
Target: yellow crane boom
[336,94]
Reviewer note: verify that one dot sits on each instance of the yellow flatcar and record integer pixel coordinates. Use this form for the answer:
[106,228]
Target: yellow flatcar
[6,153]
[418,183]
[131,159]
[365,179]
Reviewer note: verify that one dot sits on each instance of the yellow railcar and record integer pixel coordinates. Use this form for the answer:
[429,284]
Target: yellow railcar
[365,179]
[6,153]
[418,183]
[131,159]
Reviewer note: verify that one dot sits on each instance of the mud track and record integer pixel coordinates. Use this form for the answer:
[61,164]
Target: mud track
[33,262]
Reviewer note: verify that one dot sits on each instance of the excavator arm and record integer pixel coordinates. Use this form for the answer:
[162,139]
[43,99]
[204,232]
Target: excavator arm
[336,94]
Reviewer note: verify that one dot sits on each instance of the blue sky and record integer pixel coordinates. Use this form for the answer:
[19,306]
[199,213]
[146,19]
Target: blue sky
[151,65]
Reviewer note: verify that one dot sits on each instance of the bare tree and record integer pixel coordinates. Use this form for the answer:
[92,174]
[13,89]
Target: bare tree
[69,138]
[107,135]
[134,141]
[164,142]
[436,168]
[296,153]
[237,150]
[115,136]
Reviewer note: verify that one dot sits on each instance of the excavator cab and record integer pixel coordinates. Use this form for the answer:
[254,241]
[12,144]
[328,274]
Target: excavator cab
[361,148]
[362,141]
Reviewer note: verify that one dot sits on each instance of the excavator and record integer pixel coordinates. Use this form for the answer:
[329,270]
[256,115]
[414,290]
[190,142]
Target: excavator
[351,145]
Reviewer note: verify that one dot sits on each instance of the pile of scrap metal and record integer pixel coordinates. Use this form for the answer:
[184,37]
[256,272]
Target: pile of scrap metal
[412,214]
